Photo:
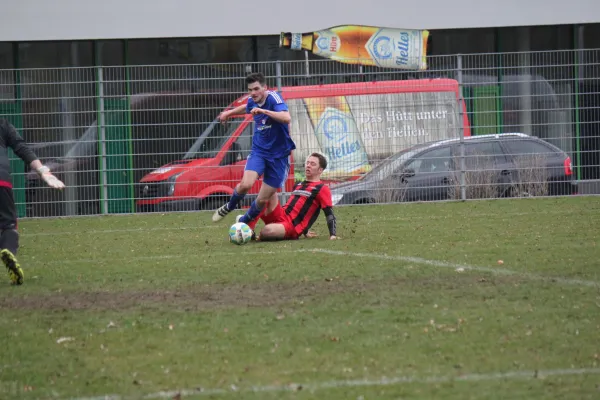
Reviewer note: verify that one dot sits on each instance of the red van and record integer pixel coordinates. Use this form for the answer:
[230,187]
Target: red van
[354,124]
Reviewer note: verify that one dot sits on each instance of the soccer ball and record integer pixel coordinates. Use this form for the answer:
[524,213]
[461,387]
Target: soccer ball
[240,233]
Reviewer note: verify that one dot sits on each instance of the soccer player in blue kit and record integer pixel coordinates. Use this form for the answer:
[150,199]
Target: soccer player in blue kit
[271,148]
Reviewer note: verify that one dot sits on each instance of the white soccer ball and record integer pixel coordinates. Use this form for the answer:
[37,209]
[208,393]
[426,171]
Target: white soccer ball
[240,233]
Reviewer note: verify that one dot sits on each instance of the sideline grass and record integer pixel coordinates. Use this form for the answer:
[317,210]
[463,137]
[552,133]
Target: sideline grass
[161,302]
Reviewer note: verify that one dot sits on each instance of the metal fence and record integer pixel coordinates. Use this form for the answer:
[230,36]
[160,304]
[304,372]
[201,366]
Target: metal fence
[144,138]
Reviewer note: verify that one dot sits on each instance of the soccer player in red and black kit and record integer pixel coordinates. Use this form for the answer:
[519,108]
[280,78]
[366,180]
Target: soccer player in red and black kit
[301,211]
[9,237]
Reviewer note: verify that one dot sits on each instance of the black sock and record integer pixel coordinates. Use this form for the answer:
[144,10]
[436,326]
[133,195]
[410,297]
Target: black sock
[9,239]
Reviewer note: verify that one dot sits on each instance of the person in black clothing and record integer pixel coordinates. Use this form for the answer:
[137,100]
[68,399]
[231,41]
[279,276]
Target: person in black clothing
[9,236]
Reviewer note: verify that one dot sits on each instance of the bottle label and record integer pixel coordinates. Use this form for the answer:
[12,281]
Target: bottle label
[397,48]
[296,42]
[327,43]
[341,141]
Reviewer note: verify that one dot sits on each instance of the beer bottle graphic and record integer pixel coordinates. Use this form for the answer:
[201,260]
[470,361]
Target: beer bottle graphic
[365,45]
[338,136]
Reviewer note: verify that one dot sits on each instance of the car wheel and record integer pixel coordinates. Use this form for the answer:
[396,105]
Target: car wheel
[516,192]
[364,201]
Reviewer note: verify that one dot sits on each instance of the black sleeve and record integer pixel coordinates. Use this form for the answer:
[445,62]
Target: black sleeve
[330,220]
[16,142]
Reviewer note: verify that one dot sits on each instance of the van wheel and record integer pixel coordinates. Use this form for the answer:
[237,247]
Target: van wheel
[213,202]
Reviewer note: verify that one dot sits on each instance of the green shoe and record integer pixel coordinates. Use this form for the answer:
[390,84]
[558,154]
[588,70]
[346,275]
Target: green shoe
[15,272]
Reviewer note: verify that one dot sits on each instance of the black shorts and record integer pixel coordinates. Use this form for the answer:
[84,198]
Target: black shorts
[8,211]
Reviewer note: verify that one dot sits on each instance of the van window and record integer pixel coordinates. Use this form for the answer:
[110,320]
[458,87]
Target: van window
[212,139]
[86,145]
[244,141]
[240,149]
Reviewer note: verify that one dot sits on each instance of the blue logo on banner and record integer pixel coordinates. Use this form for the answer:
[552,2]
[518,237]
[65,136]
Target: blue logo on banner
[323,43]
[335,128]
[382,48]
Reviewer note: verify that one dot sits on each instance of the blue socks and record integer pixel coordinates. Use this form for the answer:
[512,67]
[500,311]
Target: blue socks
[235,199]
[251,214]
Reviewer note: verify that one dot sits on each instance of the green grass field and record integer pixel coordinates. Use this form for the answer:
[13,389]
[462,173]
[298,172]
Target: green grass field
[412,302]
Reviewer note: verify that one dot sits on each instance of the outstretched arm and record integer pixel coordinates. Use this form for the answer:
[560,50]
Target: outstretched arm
[24,152]
[283,117]
[235,111]
[16,142]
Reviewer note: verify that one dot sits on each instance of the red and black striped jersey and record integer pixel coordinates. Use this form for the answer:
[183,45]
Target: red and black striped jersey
[305,204]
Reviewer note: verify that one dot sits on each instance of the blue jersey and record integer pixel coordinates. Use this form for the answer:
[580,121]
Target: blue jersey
[271,138]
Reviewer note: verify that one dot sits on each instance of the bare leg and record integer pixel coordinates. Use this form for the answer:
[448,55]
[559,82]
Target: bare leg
[247,182]
[273,202]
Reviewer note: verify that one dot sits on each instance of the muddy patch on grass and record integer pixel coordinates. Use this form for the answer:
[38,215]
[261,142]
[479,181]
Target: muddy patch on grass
[214,296]
[191,297]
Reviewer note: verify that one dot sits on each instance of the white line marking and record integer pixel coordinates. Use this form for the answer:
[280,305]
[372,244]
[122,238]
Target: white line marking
[442,264]
[475,215]
[398,380]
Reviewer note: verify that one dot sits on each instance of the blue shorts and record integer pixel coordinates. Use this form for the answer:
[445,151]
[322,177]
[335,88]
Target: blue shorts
[275,170]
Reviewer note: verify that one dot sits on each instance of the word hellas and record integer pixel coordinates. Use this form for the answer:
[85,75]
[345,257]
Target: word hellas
[343,150]
[402,47]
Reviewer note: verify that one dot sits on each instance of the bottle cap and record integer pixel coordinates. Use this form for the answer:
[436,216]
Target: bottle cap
[281,37]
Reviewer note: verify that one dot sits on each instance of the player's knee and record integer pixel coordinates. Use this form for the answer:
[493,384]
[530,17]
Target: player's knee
[262,203]
[273,199]
[266,192]
[247,181]
[244,186]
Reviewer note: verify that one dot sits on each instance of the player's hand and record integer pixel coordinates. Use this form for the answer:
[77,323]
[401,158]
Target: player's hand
[311,234]
[50,179]
[257,110]
[224,116]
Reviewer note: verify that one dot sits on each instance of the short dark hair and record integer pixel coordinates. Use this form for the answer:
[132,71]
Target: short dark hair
[321,158]
[256,77]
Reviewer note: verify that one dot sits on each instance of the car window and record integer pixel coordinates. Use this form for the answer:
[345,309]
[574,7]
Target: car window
[482,153]
[431,161]
[393,164]
[519,147]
